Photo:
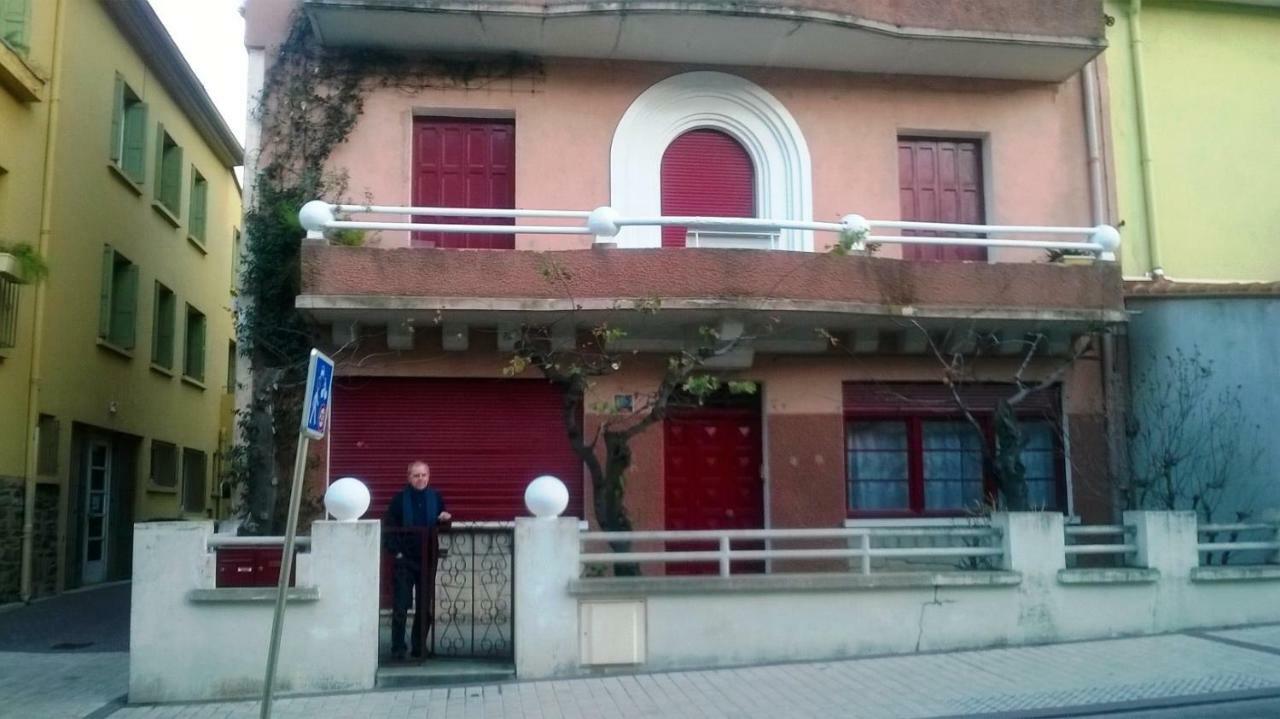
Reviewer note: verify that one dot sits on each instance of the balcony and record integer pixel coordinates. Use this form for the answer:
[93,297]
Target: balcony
[876,302]
[1009,39]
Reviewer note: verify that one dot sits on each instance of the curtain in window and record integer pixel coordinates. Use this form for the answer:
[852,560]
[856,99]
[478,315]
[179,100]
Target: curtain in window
[1038,456]
[878,465]
[952,458]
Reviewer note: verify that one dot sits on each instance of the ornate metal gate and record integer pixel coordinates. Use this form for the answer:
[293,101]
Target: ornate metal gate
[473,592]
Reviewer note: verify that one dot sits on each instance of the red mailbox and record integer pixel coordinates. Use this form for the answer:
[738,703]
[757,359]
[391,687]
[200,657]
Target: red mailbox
[251,567]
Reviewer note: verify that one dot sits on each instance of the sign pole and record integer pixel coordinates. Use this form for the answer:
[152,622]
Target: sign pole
[314,421]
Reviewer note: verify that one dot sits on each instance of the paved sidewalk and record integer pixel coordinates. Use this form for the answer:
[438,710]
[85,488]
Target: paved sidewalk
[959,683]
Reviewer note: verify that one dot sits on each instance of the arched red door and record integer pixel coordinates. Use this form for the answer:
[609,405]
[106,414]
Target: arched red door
[705,172]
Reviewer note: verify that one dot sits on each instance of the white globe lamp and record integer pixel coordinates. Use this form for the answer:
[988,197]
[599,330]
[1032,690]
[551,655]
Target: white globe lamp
[546,497]
[347,499]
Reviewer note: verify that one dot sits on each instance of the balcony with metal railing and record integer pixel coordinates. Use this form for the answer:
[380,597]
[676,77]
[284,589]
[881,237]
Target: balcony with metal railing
[752,268]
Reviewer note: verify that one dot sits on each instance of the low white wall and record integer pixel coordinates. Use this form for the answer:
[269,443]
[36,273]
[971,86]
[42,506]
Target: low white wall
[689,622]
[190,641]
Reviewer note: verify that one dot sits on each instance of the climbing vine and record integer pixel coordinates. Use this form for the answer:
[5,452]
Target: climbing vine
[311,100]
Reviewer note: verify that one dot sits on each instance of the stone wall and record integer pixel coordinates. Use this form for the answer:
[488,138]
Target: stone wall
[44,578]
[11,507]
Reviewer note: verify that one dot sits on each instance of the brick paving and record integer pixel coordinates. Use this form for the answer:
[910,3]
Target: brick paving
[928,685]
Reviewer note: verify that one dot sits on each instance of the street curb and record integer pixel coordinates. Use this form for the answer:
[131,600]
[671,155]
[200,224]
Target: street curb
[1127,707]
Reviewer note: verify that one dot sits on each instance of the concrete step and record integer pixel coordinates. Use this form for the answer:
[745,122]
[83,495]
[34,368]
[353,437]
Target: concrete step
[443,672]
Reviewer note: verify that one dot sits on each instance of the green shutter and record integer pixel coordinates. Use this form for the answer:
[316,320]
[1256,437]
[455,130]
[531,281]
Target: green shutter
[235,259]
[104,298]
[13,24]
[159,188]
[125,309]
[162,330]
[199,192]
[166,329]
[135,142]
[176,184]
[117,122]
[199,349]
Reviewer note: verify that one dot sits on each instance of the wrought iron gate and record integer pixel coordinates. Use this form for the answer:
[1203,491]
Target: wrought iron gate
[473,592]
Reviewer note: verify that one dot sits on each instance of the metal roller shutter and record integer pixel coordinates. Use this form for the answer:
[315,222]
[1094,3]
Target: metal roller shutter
[484,439]
[705,173]
[890,398]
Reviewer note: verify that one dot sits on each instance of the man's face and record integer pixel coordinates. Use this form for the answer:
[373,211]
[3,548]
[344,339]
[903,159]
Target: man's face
[419,476]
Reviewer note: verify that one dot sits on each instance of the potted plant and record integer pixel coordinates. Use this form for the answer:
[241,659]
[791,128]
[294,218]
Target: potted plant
[1071,256]
[20,263]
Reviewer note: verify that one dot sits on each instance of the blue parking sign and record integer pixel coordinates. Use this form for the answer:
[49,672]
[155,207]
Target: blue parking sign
[315,417]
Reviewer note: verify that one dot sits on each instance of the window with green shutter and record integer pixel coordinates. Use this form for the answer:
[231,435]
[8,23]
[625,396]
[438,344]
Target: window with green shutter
[117,310]
[162,327]
[129,132]
[193,356]
[194,468]
[168,172]
[235,260]
[15,21]
[199,207]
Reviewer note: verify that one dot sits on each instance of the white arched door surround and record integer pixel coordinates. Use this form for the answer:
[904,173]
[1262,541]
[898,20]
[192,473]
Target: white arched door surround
[720,101]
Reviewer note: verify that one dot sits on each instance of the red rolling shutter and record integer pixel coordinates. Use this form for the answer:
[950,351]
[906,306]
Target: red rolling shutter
[898,398]
[705,173]
[464,162]
[484,439]
[940,181]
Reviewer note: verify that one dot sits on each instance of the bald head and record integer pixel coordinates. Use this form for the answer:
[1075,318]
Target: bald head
[419,474]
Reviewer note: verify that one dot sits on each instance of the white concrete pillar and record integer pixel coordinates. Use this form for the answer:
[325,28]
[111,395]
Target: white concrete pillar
[1166,541]
[1033,546]
[345,563]
[169,560]
[1033,542]
[546,616]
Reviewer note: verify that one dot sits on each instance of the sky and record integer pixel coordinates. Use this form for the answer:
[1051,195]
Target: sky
[211,36]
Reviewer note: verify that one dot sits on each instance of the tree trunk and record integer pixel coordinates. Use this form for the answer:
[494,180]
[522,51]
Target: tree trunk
[1011,474]
[260,469]
[610,493]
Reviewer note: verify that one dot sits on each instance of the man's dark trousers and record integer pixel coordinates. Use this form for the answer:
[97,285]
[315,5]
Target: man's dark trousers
[411,585]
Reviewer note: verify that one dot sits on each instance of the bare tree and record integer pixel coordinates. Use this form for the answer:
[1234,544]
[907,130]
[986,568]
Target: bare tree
[1192,446]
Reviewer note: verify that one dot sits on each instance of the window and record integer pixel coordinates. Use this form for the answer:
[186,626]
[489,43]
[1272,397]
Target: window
[193,480]
[708,173]
[8,313]
[47,437]
[909,451]
[193,355]
[164,466]
[166,307]
[464,162]
[199,206]
[940,180]
[231,368]
[14,22]
[168,174]
[118,300]
[128,132]
[235,260]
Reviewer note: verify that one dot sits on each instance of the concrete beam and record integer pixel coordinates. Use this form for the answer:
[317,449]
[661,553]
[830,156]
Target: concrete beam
[865,340]
[508,336]
[399,336]
[344,333]
[456,337]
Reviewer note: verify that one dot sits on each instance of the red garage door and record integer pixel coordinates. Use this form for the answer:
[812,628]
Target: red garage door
[484,439]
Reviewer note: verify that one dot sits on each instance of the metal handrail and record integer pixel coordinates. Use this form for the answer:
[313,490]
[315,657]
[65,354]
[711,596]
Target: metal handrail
[227,540]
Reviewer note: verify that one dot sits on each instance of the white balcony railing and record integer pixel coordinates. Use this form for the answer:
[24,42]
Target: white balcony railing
[605,223]
[716,547]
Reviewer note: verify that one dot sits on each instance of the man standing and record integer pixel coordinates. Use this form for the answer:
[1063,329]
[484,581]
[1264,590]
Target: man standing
[412,515]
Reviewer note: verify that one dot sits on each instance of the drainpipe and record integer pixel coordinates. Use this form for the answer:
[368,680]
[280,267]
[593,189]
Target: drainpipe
[37,336]
[1144,138]
[1112,380]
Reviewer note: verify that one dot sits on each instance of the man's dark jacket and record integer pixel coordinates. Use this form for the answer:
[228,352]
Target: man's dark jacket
[410,508]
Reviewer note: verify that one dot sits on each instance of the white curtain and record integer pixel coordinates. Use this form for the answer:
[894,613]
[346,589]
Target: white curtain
[952,465]
[878,465]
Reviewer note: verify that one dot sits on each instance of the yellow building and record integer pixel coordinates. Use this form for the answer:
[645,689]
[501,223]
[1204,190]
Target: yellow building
[1195,109]
[114,389]
[1194,92]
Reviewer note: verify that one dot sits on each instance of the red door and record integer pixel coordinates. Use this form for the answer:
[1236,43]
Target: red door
[464,162]
[705,173]
[940,181]
[712,476]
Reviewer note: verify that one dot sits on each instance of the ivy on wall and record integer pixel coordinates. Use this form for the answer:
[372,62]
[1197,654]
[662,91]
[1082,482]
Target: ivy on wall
[311,100]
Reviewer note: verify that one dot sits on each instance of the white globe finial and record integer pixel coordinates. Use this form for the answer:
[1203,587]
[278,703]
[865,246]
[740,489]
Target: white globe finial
[1107,236]
[546,497]
[315,217]
[347,499]
[603,222]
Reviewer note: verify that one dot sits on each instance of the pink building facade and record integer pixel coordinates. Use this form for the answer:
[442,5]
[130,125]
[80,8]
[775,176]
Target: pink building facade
[796,112]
